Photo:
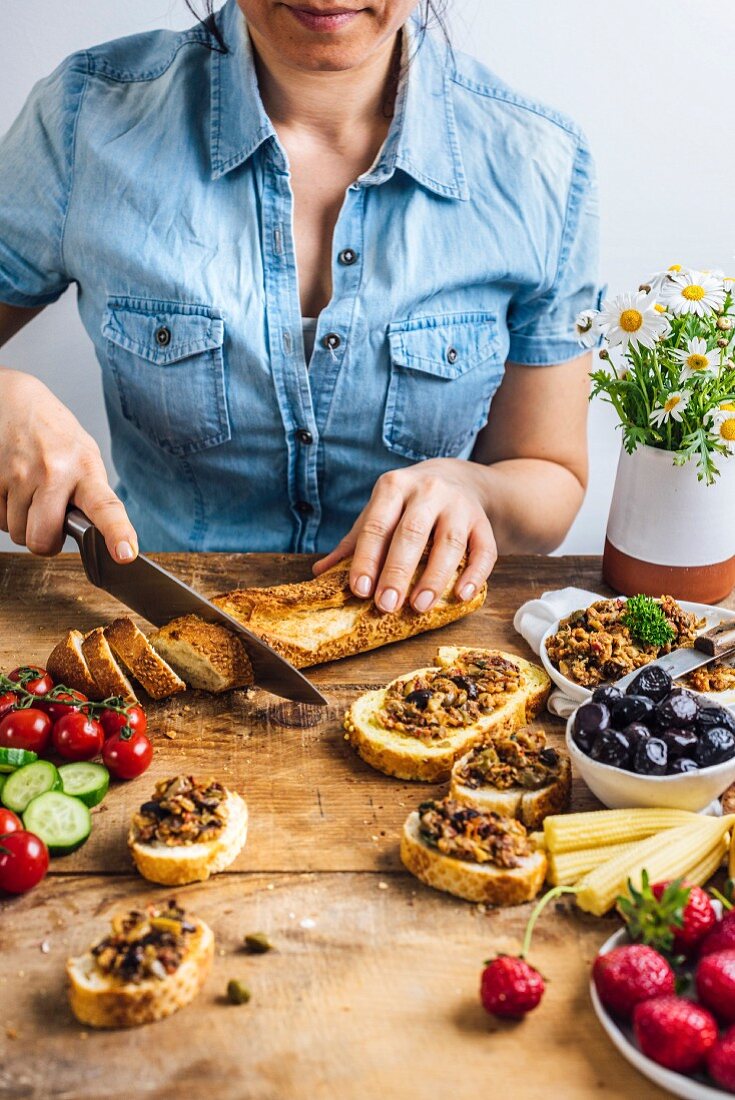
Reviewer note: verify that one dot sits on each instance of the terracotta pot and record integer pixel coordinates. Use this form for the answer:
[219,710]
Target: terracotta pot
[669,533]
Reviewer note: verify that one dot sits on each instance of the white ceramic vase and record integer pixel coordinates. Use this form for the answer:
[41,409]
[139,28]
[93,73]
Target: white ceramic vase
[668,532]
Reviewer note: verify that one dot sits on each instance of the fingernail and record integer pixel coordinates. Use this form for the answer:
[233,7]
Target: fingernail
[388,600]
[124,551]
[363,585]
[467,592]
[424,600]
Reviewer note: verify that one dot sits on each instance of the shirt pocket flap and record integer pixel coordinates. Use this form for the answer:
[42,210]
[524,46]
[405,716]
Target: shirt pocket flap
[446,346]
[162,332]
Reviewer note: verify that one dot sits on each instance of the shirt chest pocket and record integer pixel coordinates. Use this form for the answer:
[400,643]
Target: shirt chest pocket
[444,371]
[167,362]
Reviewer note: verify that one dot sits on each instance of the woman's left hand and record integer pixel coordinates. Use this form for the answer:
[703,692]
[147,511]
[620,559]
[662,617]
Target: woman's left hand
[439,499]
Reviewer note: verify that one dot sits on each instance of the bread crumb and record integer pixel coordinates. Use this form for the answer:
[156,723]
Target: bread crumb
[11,1033]
[44,947]
[307,922]
[83,1034]
[171,734]
[382,885]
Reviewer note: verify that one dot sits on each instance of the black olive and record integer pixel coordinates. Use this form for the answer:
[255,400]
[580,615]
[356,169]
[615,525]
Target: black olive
[651,757]
[591,718]
[607,694]
[680,742]
[611,747]
[466,684]
[153,809]
[632,708]
[714,716]
[679,709]
[636,732]
[715,745]
[652,681]
[683,764]
[419,699]
[549,757]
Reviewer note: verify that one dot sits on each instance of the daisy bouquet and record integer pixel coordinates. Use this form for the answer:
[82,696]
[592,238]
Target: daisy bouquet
[668,365]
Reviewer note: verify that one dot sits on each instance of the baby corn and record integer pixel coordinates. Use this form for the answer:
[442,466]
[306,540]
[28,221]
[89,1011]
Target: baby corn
[706,868]
[570,832]
[566,868]
[731,858]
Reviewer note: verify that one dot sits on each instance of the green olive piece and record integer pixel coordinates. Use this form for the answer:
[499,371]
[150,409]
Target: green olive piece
[237,992]
[257,943]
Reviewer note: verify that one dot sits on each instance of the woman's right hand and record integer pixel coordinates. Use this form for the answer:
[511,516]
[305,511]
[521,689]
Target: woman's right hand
[48,461]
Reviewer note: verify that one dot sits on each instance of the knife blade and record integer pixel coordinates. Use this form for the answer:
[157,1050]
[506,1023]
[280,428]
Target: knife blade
[159,596]
[711,645]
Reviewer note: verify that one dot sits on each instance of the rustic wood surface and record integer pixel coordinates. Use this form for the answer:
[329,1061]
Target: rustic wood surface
[372,988]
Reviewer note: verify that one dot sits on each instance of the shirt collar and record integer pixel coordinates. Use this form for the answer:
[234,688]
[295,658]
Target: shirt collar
[422,140]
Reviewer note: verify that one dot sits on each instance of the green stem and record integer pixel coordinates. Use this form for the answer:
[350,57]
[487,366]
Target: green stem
[555,892]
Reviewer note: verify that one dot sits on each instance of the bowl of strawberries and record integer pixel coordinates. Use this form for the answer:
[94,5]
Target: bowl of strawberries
[663,988]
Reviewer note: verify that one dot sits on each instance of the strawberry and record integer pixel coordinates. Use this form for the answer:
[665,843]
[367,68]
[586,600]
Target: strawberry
[674,1032]
[670,916]
[722,936]
[510,987]
[628,975]
[715,981]
[721,1061]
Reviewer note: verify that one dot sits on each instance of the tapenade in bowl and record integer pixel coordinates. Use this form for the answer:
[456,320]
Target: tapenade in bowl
[612,637]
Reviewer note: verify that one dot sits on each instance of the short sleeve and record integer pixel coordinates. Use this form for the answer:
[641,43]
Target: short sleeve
[36,162]
[541,321]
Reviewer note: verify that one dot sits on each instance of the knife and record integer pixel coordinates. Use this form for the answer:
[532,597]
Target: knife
[159,596]
[709,646]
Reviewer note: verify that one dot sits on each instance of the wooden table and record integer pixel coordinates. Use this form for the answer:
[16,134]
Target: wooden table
[372,989]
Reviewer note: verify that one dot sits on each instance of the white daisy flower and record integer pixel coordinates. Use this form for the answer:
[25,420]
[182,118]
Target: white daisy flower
[723,425]
[729,284]
[696,360]
[672,408]
[661,279]
[586,328]
[632,319]
[693,292]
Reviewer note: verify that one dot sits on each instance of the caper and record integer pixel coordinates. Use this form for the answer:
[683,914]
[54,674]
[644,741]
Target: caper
[237,992]
[257,943]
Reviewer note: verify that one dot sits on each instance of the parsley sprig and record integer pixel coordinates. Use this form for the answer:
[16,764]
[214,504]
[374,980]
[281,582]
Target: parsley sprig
[646,622]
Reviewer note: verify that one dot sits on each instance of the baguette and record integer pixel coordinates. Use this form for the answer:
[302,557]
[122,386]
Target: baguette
[321,620]
[104,998]
[108,676]
[137,655]
[484,882]
[206,655]
[548,775]
[67,665]
[429,758]
[173,858]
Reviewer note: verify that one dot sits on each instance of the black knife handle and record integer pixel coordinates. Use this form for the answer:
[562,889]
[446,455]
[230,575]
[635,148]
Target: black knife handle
[717,640]
[86,536]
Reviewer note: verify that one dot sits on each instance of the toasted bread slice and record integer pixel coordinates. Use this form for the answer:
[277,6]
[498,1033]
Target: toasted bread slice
[430,759]
[479,882]
[529,806]
[98,1000]
[176,865]
[67,665]
[206,655]
[108,676]
[320,620]
[137,655]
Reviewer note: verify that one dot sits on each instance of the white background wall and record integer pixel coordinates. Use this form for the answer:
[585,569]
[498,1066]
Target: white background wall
[650,81]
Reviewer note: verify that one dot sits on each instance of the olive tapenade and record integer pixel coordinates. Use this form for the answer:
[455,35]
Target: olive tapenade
[432,703]
[594,645]
[521,760]
[465,833]
[714,677]
[143,944]
[183,810]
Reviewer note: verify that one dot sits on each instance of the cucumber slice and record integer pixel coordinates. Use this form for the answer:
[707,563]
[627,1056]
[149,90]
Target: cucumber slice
[25,784]
[86,781]
[62,822]
[10,759]
[2,784]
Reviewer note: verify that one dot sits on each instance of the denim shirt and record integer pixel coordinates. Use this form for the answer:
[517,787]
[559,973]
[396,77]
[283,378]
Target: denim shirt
[147,172]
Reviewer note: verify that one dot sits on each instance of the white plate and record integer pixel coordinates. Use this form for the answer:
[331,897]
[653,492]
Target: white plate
[621,1034]
[579,694]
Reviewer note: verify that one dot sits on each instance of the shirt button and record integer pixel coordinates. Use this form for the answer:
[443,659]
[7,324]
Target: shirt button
[331,341]
[163,336]
[452,355]
[304,436]
[304,508]
[348,257]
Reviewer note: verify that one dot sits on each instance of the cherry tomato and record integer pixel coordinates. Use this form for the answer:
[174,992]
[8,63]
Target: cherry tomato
[127,757]
[34,679]
[63,702]
[9,823]
[23,861]
[26,729]
[112,722]
[77,736]
[7,701]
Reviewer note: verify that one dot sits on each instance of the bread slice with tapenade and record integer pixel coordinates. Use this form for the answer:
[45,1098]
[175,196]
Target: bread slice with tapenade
[135,652]
[206,655]
[518,775]
[152,963]
[417,726]
[188,830]
[67,665]
[481,857]
[321,620]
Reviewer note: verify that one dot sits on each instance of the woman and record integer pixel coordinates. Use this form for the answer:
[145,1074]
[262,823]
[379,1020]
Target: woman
[210,192]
